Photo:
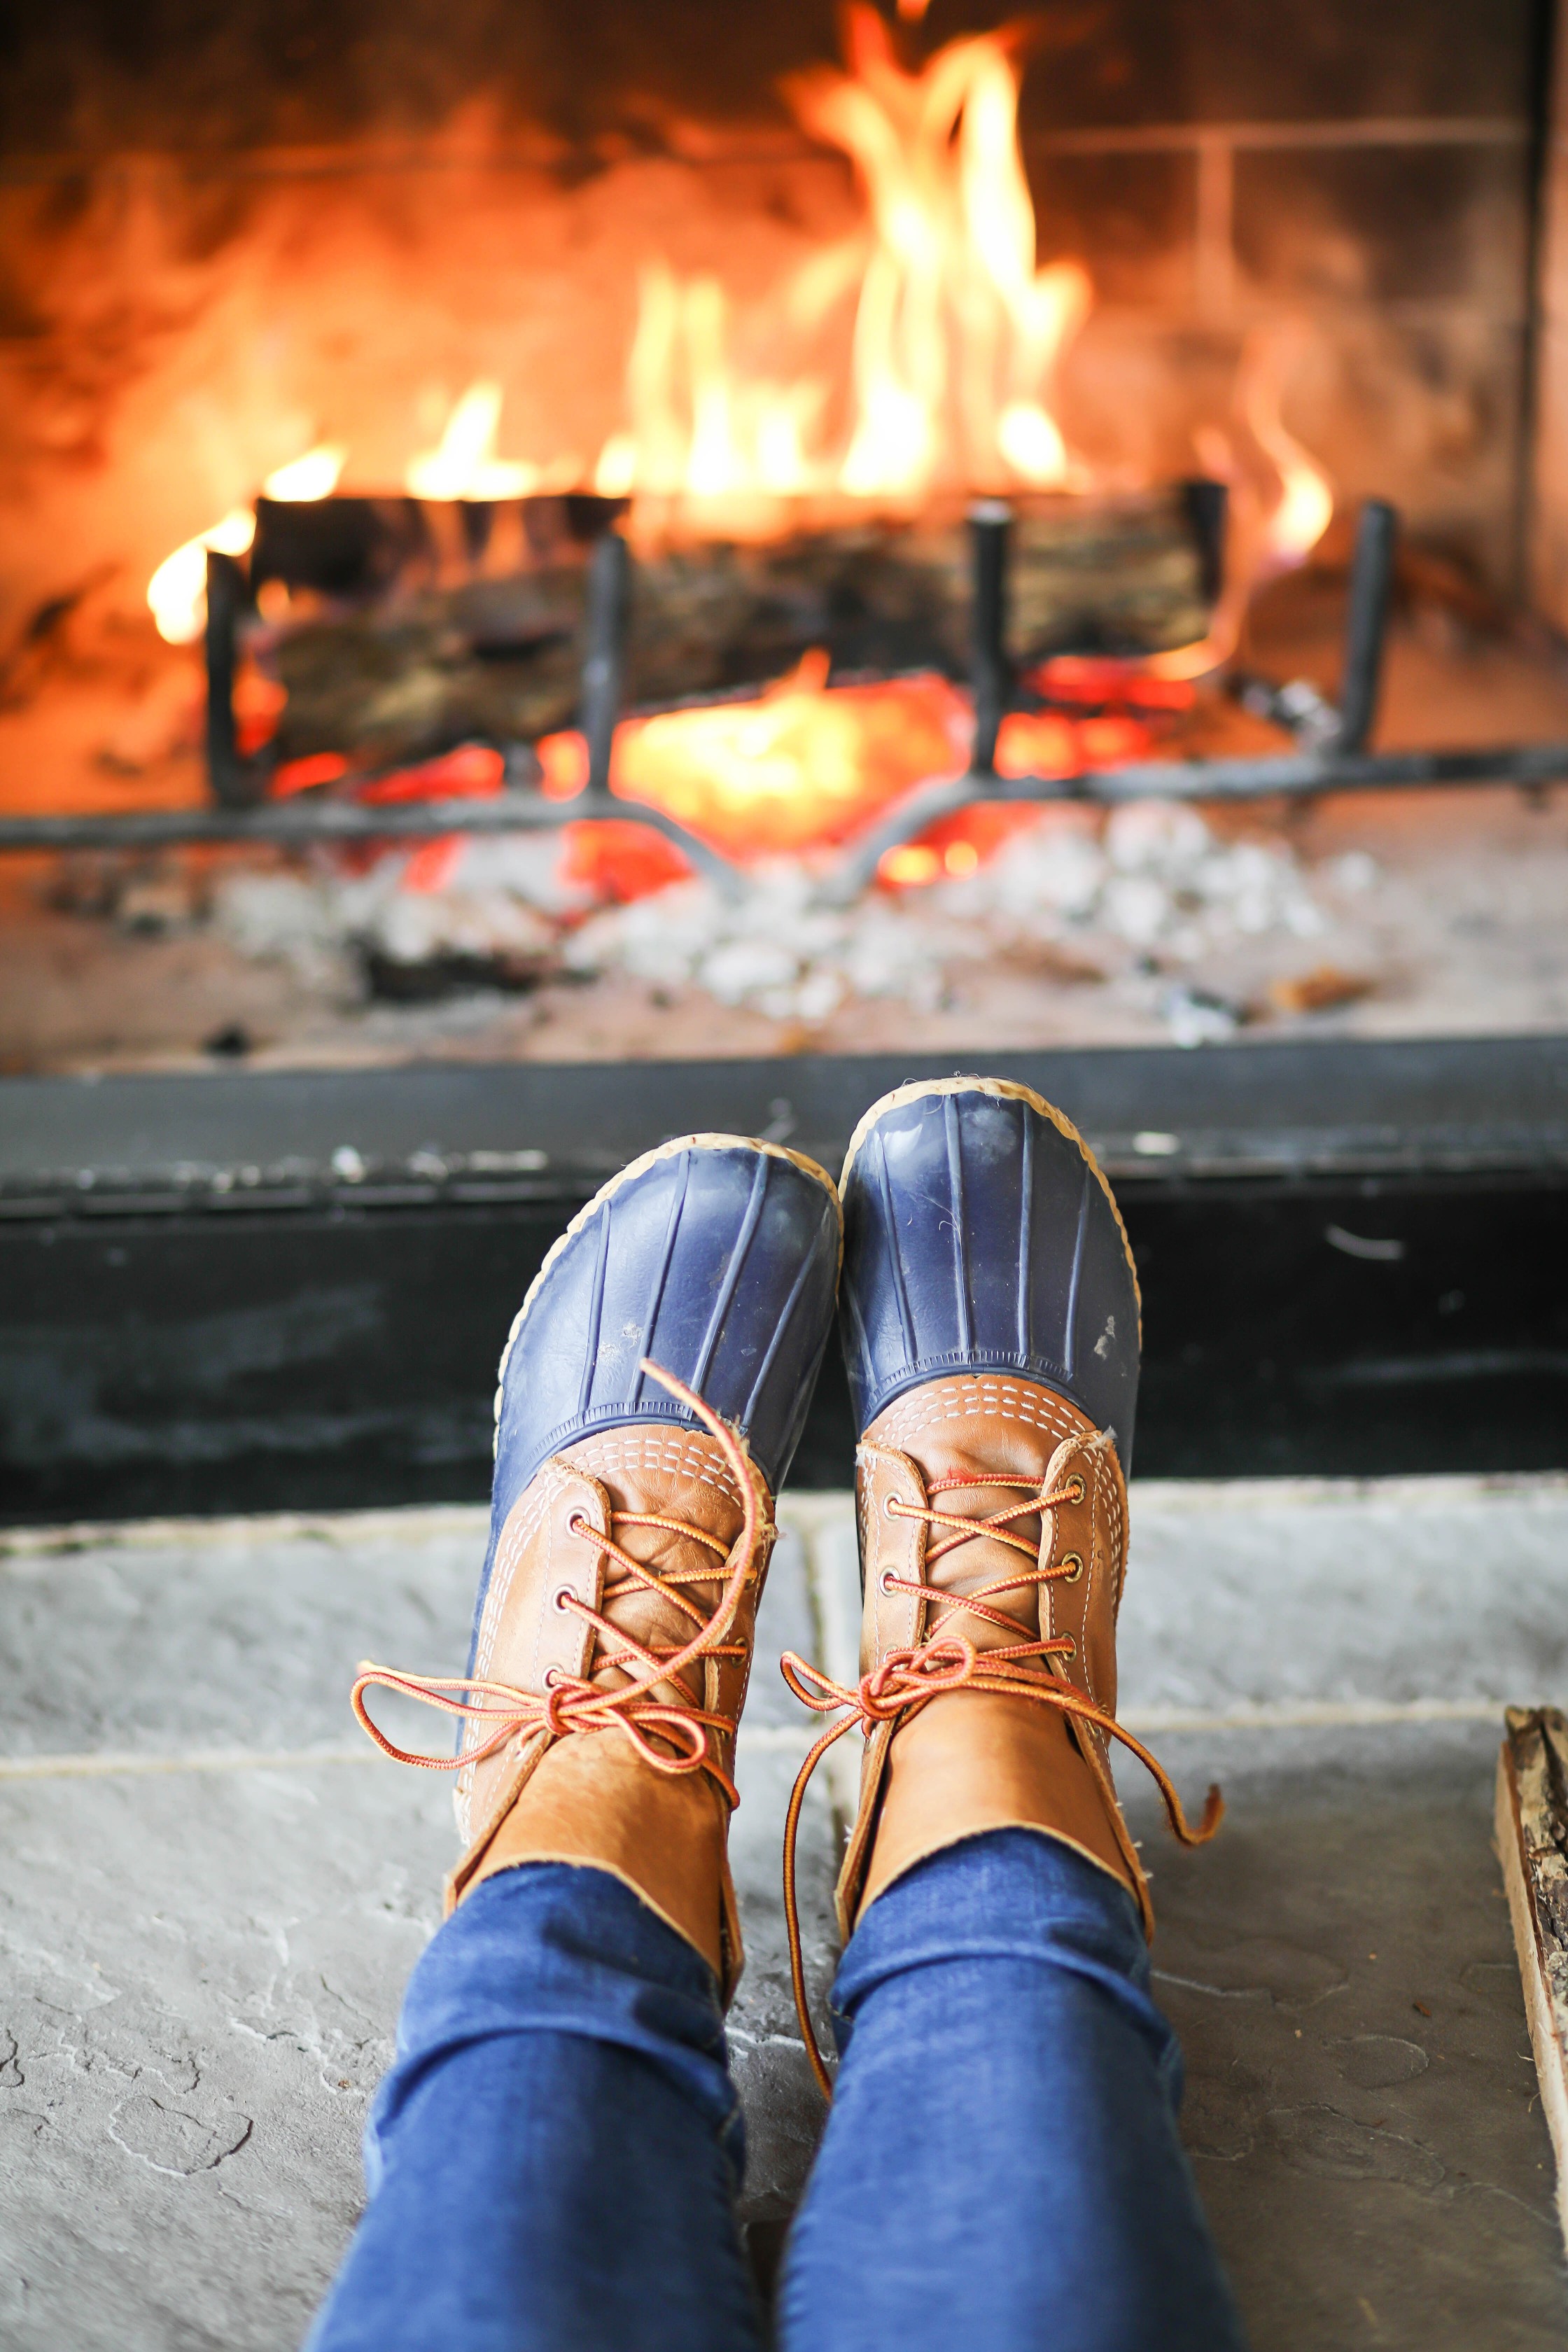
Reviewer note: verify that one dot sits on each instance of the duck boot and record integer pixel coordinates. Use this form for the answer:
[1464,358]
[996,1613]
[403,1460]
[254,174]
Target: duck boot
[651,1395]
[990,1315]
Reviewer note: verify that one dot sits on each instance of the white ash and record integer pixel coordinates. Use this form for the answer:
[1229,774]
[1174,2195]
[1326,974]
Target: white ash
[1154,877]
[1196,1016]
[526,865]
[511,907]
[1151,883]
[414,926]
[283,918]
[772,948]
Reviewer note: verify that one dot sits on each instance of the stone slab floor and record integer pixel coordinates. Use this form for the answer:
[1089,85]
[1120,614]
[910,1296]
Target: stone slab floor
[211,1891]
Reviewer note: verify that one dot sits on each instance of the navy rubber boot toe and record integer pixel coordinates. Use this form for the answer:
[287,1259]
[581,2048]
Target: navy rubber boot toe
[715,1257]
[980,1237]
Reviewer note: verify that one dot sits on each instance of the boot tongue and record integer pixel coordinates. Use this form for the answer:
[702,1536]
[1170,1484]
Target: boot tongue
[1020,1454]
[646,1476]
[655,1619]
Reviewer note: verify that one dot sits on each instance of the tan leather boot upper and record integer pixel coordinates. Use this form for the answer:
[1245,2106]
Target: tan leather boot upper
[992,1518]
[618,1555]
[993,1522]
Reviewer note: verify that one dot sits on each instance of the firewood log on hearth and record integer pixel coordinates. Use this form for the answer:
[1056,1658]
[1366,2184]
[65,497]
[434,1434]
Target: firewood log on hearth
[430,660]
[1531,1822]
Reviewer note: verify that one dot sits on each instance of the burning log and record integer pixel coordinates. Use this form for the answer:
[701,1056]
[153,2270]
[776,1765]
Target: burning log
[417,659]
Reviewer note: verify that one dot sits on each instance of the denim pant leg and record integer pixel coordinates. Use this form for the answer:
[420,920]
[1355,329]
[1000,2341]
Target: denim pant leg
[1001,2168]
[554,2160]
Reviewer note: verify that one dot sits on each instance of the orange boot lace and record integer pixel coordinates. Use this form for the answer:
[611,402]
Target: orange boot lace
[575,1704]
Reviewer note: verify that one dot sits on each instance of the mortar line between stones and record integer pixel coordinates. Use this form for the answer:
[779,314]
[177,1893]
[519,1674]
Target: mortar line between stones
[779,1740]
[1150,1498]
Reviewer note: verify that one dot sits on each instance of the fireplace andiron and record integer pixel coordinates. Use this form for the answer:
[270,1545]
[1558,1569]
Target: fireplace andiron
[1331,753]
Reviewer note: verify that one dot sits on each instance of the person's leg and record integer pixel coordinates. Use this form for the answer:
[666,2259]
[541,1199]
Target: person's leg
[554,2158]
[1001,2167]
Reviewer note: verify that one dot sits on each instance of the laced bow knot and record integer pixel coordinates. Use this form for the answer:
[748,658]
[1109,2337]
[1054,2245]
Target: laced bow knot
[575,1703]
[902,1678]
[556,1719]
[905,1681]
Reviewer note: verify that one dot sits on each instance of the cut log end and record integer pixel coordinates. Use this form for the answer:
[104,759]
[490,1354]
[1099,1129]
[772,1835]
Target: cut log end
[1532,1845]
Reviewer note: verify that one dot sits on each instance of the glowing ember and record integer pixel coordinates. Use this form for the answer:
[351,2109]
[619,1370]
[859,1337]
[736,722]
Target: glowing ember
[807,764]
[803,764]
[465,465]
[619,861]
[473,772]
[957,332]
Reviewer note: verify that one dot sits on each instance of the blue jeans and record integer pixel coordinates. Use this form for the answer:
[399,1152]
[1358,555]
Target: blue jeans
[554,2158]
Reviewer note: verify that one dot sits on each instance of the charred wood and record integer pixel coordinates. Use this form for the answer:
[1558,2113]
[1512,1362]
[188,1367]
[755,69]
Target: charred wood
[423,659]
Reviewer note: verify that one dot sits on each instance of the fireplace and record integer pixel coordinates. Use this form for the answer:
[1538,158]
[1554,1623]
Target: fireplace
[569,577]
[966,402]
[231,244]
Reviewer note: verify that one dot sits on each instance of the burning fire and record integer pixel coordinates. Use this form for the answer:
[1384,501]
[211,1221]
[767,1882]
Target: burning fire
[1305,505]
[800,765]
[956,329]
[701,428]
[465,465]
[1275,523]
[948,335]
[805,764]
[177,591]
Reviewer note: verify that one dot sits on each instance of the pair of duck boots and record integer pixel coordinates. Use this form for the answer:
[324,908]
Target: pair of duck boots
[651,1397]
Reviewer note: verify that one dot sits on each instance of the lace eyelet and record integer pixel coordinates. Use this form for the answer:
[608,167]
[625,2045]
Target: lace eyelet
[1077,1490]
[1073,1562]
[551,1676]
[1072,1650]
[890,1508]
[885,1584]
[564,1593]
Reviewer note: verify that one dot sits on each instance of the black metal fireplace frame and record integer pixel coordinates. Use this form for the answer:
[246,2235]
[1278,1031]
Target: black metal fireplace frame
[273,1291]
[1330,757]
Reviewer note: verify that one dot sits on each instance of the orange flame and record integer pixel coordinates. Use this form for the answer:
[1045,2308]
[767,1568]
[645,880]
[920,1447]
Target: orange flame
[304,479]
[177,591]
[701,429]
[956,331]
[1305,505]
[464,464]
[1269,530]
